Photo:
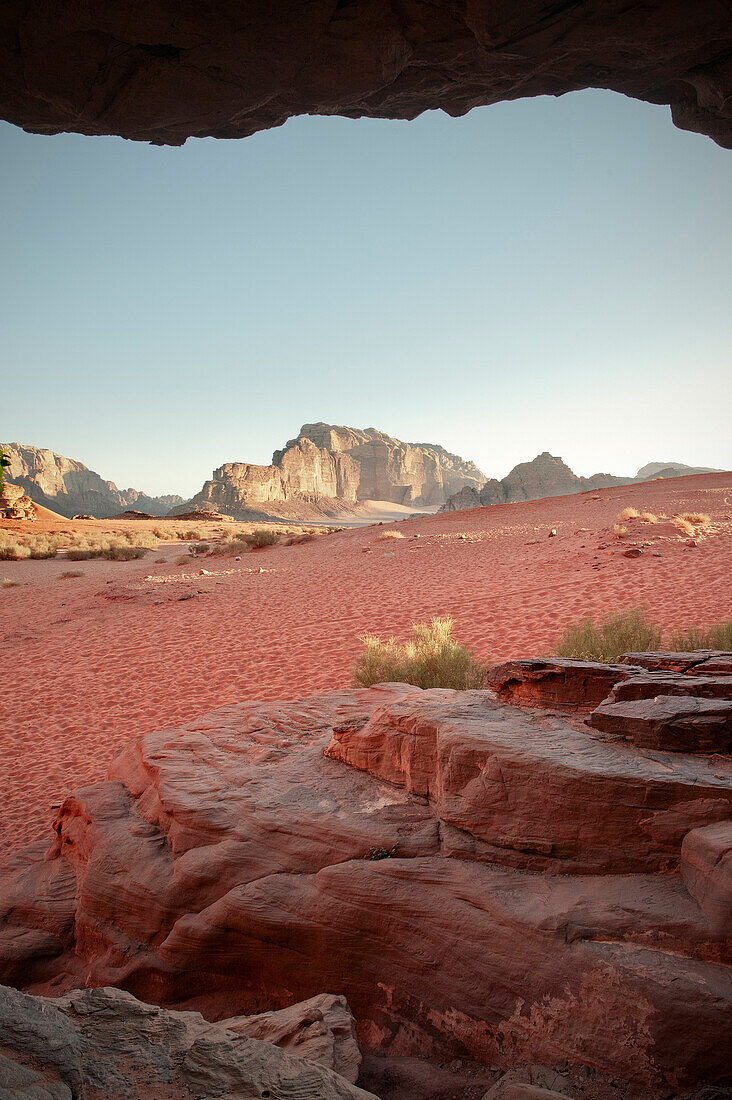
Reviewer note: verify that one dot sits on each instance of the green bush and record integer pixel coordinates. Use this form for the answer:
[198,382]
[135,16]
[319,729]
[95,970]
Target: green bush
[263,537]
[717,636]
[606,640]
[431,659]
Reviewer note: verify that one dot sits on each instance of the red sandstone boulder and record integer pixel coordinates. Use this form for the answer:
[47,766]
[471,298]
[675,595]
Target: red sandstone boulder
[670,662]
[484,886]
[672,723]
[706,867]
[652,684]
[557,682]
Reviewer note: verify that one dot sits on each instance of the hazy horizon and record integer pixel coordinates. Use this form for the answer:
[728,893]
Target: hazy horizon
[546,274]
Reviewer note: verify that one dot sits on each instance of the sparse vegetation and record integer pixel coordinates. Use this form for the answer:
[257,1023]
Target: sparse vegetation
[200,548]
[717,636]
[263,537]
[606,640]
[8,583]
[389,535]
[620,531]
[21,547]
[628,513]
[432,658]
[688,522]
[67,576]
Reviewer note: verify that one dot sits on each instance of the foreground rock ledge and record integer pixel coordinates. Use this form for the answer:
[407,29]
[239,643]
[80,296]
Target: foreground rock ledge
[478,880]
[105,1043]
[163,72]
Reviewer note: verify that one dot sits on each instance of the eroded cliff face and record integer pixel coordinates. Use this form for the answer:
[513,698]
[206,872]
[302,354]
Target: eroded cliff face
[163,72]
[327,467]
[68,487]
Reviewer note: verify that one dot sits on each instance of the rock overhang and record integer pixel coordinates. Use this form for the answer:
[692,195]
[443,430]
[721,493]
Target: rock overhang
[163,72]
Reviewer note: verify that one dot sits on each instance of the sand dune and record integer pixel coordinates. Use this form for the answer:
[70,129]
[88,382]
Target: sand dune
[93,661]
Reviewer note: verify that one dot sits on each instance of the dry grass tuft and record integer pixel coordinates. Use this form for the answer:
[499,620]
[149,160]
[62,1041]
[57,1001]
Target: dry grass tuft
[621,632]
[389,535]
[71,573]
[717,636]
[8,583]
[696,519]
[628,513]
[431,659]
[620,531]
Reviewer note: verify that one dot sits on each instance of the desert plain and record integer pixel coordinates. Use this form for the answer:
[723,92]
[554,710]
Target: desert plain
[95,660]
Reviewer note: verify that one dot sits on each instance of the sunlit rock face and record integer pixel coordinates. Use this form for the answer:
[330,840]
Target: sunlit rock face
[165,71]
[327,467]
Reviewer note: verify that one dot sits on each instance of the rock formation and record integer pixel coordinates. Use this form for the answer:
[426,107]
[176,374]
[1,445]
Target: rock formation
[105,1043]
[15,503]
[548,476]
[153,72]
[478,879]
[327,469]
[67,487]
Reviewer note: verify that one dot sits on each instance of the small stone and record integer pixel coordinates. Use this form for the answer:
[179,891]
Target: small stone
[552,533]
[204,573]
[632,552]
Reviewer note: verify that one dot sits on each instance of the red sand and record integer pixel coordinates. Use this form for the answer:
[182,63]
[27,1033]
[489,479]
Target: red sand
[91,662]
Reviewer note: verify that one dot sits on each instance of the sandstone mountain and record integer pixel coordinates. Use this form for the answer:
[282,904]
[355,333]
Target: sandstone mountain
[68,487]
[548,476]
[329,470]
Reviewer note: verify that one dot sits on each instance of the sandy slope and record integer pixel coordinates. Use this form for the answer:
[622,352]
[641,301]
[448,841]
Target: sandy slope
[91,662]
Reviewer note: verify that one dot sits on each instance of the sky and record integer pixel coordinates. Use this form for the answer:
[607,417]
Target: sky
[548,274]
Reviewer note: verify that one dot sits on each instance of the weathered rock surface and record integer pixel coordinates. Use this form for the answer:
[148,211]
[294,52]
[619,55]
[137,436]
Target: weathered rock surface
[675,723]
[69,488]
[562,683]
[326,467]
[15,503]
[497,885]
[321,1029]
[158,74]
[706,867]
[105,1043]
[677,662]
[651,684]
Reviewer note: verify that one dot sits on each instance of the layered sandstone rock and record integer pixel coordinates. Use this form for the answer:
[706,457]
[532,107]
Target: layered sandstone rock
[477,879]
[565,683]
[153,72]
[69,488]
[15,503]
[327,468]
[105,1043]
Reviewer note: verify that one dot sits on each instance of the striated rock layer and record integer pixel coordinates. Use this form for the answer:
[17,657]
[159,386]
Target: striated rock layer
[105,1043]
[161,72]
[478,880]
[69,488]
[328,467]
[15,503]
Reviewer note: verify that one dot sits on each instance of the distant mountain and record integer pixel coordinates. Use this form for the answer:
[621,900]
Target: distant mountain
[671,469]
[68,487]
[329,470]
[548,476]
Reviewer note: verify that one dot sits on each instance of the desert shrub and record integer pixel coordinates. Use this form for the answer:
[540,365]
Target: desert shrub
[649,517]
[717,636]
[262,537]
[232,546]
[184,559]
[620,531]
[628,513]
[12,550]
[389,535]
[696,519]
[200,548]
[192,534]
[124,553]
[606,640]
[432,658]
[298,540]
[71,573]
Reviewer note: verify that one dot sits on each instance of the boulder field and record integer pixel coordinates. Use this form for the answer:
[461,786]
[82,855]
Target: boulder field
[485,881]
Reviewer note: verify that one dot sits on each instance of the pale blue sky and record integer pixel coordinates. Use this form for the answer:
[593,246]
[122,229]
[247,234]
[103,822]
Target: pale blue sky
[550,274]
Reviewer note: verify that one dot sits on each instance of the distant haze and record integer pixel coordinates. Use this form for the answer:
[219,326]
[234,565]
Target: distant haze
[545,275]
